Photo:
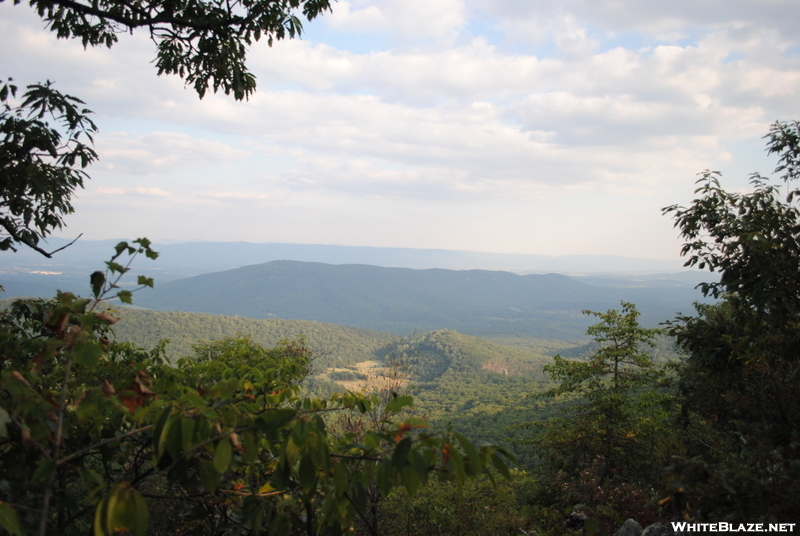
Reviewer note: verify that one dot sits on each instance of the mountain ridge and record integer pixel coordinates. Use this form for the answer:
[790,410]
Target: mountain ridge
[404,300]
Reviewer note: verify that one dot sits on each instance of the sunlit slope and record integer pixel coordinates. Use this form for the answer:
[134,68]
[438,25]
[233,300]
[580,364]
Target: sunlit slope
[401,300]
[436,353]
[337,345]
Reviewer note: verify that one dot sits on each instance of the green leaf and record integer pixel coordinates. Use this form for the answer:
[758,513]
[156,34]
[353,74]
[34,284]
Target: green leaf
[160,433]
[420,466]
[88,353]
[307,473]
[258,516]
[121,509]
[400,454]
[97,280]
[115,267]
[125,296]
[5,419]
[43,471]
[300,433]
[187,432]
[501,467]
[383,476]
[340,479]
[473,460]
[174,441]
[120,248]
[9,521]
[91,479]
[251,444]
[222,456]
[142,514]
[399,403]
[104,513]
[209,475]
[275,419]
[411,479]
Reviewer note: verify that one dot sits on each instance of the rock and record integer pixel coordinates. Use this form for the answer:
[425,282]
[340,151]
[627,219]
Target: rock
[631,527]
[658,529]
[574,520]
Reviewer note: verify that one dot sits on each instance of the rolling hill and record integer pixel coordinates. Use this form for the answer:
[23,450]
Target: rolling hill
[402,300]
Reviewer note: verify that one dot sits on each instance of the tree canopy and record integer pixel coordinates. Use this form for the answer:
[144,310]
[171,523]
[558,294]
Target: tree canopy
[45,145]
[612,429]
[202,41]
[740,384]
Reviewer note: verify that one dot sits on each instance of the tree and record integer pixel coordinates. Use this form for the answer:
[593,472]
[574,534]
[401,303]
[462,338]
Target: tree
[40,165]
[613,428]
[101,436]
[202,41]
[740,384]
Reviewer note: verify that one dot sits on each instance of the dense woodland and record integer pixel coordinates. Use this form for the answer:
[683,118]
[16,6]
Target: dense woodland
[404,301]
[246,427]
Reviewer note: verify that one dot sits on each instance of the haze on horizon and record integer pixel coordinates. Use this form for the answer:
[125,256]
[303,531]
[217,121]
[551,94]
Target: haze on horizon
[483,125]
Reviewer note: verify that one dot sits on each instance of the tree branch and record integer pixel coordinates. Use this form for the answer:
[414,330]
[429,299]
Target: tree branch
[151,21]
[101,443]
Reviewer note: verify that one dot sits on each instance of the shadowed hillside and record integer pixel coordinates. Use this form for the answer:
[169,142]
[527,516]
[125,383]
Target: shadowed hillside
[401,300]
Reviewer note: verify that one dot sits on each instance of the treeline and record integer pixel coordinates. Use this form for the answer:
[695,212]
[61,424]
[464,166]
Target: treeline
[334,345]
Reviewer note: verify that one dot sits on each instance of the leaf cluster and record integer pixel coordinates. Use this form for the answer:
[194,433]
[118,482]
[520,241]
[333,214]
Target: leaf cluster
[45,144]
[202,41]
[614,424]
[739,383]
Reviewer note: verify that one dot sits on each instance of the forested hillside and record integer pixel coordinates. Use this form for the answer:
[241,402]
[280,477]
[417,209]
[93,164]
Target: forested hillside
[334,344]
[479,386]
[402,301]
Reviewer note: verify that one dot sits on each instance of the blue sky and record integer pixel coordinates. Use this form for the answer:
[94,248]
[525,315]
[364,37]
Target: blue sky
[518,126]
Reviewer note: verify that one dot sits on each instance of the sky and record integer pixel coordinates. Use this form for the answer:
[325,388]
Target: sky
[510,126]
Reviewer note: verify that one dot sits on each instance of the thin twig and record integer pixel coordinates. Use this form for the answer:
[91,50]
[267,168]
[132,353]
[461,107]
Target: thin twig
[68,245]
[101,443]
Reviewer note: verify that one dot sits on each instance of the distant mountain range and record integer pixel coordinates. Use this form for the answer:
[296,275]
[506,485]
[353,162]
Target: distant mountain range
[374,288]
[185,259]
[402,300]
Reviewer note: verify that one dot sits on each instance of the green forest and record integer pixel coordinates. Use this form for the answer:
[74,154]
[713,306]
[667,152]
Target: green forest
[117,420]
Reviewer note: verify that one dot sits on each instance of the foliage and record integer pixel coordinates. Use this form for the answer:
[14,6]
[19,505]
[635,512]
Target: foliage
[103,435]
[751,239]
[614,427]
[337,346]
[481,509]
[741,378]
[41,164]
[202,41]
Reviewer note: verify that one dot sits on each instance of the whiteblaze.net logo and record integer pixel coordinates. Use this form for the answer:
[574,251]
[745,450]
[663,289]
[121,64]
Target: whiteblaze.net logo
[722,526]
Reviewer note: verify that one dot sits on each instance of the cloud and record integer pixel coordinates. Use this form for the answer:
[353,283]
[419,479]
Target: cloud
[161,151]
[406,20]
[655,18]
[138,191]
[236,195]
[483,104]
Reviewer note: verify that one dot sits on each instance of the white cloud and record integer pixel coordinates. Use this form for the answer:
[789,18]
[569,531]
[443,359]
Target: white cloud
[161,151]
[676,16]
[138,191]
[406,20]
[237,195]
[482,104]
[110,191]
